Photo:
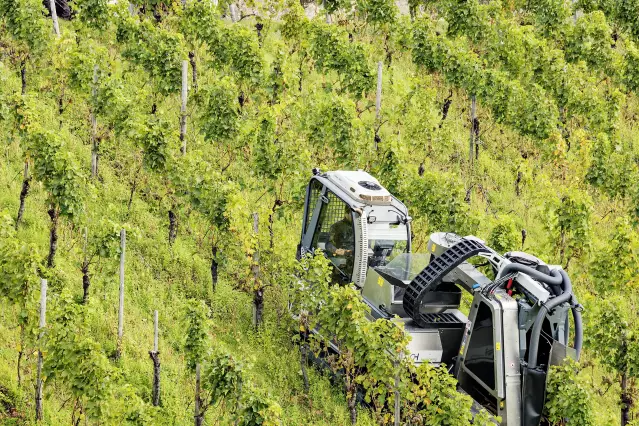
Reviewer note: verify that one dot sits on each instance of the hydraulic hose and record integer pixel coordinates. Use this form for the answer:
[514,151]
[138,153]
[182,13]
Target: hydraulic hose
[541,315]
[553,279]
[579,336]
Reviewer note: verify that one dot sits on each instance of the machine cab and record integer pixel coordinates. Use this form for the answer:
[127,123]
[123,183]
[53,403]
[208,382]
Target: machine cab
[355,221]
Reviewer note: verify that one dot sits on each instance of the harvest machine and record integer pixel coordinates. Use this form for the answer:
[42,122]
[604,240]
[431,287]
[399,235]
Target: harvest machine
[518,324]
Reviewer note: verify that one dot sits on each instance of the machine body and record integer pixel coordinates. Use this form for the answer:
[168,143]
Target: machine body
[518,320]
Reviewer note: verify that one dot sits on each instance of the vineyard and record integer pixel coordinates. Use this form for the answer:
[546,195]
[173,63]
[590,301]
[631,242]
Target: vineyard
[154,163]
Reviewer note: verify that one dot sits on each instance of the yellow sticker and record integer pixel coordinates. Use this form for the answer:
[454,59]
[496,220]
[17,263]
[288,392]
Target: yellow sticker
[380,281]
[498,346]
[433,247]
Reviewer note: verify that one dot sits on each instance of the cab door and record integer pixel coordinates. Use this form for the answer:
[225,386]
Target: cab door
[329,226]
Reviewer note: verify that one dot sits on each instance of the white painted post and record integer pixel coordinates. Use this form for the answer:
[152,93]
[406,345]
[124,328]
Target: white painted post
[155,357]
[54,17]
[185,77]
[397,406]
[378,103]
[233,9]
[121,307]
[155,331]
[43,323]
[258,292]
[378,98]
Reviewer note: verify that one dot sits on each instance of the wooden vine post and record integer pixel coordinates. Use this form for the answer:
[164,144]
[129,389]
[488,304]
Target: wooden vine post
[199,416]
[185,76]
[85,267]
[54,17]
[43,314]
[155,357]
[94,126]
[121,306]
[471,147]
[258,288]
[473,118]
[378,103]
[26,184]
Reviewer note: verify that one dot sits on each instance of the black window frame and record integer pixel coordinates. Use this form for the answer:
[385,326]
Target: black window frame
[479,376]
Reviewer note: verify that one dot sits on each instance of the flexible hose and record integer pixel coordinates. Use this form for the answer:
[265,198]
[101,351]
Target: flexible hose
[579,336]
[554,279]
[541,315]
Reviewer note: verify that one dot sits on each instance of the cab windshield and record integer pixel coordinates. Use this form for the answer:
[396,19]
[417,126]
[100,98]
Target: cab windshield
[385,242]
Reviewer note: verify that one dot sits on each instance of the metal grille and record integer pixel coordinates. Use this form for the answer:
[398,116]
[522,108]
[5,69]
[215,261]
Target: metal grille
[332,212]
[363,251]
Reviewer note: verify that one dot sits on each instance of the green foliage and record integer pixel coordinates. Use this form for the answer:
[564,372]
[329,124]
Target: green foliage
[631,67]
[433,399]
[616,267]
[590,41]
[294,22]
[258,409]
[223,378]
[56,168]
[272,158]
[75,359]
[330,124]
[25,22]
[504,236]
[93,13]
[439,197]
[211,196]
[196,337]
[234,48]
[612,168]
[155,139]
[220,118]
[238,49]
[377,12]
[158,51]
[104,240]
[512,102]
[568,396]
[549,14]
[332,51]
[613,336]
[569,225]
[465,17]
[333,6]
[19,264]
[82,58]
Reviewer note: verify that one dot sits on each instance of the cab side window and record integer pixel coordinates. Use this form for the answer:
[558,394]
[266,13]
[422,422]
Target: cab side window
[335,234]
